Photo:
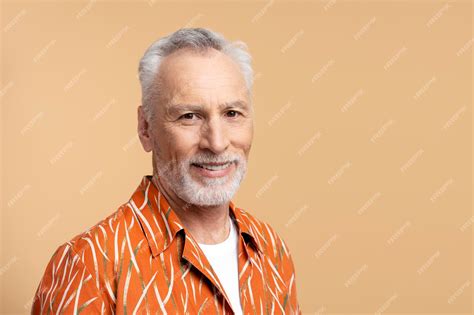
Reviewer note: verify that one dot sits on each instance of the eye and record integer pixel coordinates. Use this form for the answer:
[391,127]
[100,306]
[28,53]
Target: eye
[187,116]
[232,113]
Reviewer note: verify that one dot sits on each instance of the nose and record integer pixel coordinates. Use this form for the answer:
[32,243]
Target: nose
[214,136]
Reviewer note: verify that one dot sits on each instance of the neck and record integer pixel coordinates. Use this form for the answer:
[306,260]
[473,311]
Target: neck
[207,224]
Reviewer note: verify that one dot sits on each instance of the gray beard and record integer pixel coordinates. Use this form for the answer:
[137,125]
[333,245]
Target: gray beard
[208,191]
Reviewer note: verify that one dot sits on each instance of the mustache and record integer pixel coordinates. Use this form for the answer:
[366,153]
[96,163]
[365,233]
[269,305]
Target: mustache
[213,158]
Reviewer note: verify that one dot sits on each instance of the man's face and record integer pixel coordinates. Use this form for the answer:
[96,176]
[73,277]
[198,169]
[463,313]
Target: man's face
[203,127]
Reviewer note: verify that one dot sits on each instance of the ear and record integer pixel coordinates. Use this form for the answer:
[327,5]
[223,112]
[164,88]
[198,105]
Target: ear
[144,130]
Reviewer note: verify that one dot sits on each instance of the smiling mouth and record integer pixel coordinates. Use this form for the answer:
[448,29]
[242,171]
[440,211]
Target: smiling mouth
[213,166]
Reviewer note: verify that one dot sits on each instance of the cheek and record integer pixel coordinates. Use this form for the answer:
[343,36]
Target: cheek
[181,142]
[242,137]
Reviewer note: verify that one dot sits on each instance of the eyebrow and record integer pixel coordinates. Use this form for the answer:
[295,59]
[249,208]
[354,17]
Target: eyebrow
[176,108]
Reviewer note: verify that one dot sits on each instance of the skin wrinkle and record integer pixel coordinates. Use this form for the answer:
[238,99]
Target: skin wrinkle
[208,82]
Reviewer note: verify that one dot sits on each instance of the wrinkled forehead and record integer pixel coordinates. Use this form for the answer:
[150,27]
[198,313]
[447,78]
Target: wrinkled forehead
[201,77]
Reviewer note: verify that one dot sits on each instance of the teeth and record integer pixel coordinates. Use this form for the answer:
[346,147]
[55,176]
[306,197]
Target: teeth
[214,167]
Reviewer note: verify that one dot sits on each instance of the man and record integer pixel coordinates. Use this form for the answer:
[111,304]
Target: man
[180,245]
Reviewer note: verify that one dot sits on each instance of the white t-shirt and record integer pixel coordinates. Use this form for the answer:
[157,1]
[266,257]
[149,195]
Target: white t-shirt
[224,261]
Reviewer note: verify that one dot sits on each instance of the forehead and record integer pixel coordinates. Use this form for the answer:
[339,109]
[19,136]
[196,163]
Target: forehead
[187,76]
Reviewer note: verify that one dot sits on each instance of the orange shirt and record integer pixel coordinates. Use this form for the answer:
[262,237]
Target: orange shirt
[141,260]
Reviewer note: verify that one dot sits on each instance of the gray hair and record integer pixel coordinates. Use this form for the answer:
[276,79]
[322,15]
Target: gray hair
[198,39]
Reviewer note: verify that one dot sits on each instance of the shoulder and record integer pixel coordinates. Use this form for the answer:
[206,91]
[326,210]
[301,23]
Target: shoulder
[105,244]
[95,245]
[276,260]
[100,235]
[85,263]
[270,241]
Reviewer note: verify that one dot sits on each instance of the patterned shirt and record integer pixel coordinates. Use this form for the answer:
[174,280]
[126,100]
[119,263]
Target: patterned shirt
[142,260]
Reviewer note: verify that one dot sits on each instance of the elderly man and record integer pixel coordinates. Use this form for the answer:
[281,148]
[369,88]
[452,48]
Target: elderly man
[180,245]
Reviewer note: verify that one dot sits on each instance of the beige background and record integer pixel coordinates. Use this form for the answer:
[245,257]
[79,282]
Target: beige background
[362,158]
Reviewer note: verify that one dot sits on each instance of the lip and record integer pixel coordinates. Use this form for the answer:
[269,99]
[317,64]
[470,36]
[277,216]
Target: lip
[214,174]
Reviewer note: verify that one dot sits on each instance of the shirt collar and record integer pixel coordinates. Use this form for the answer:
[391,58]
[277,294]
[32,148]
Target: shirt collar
[161,224]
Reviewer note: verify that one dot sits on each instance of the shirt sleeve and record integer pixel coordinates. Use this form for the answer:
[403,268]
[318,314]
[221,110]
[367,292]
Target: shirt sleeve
[68,287]
[289,276]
